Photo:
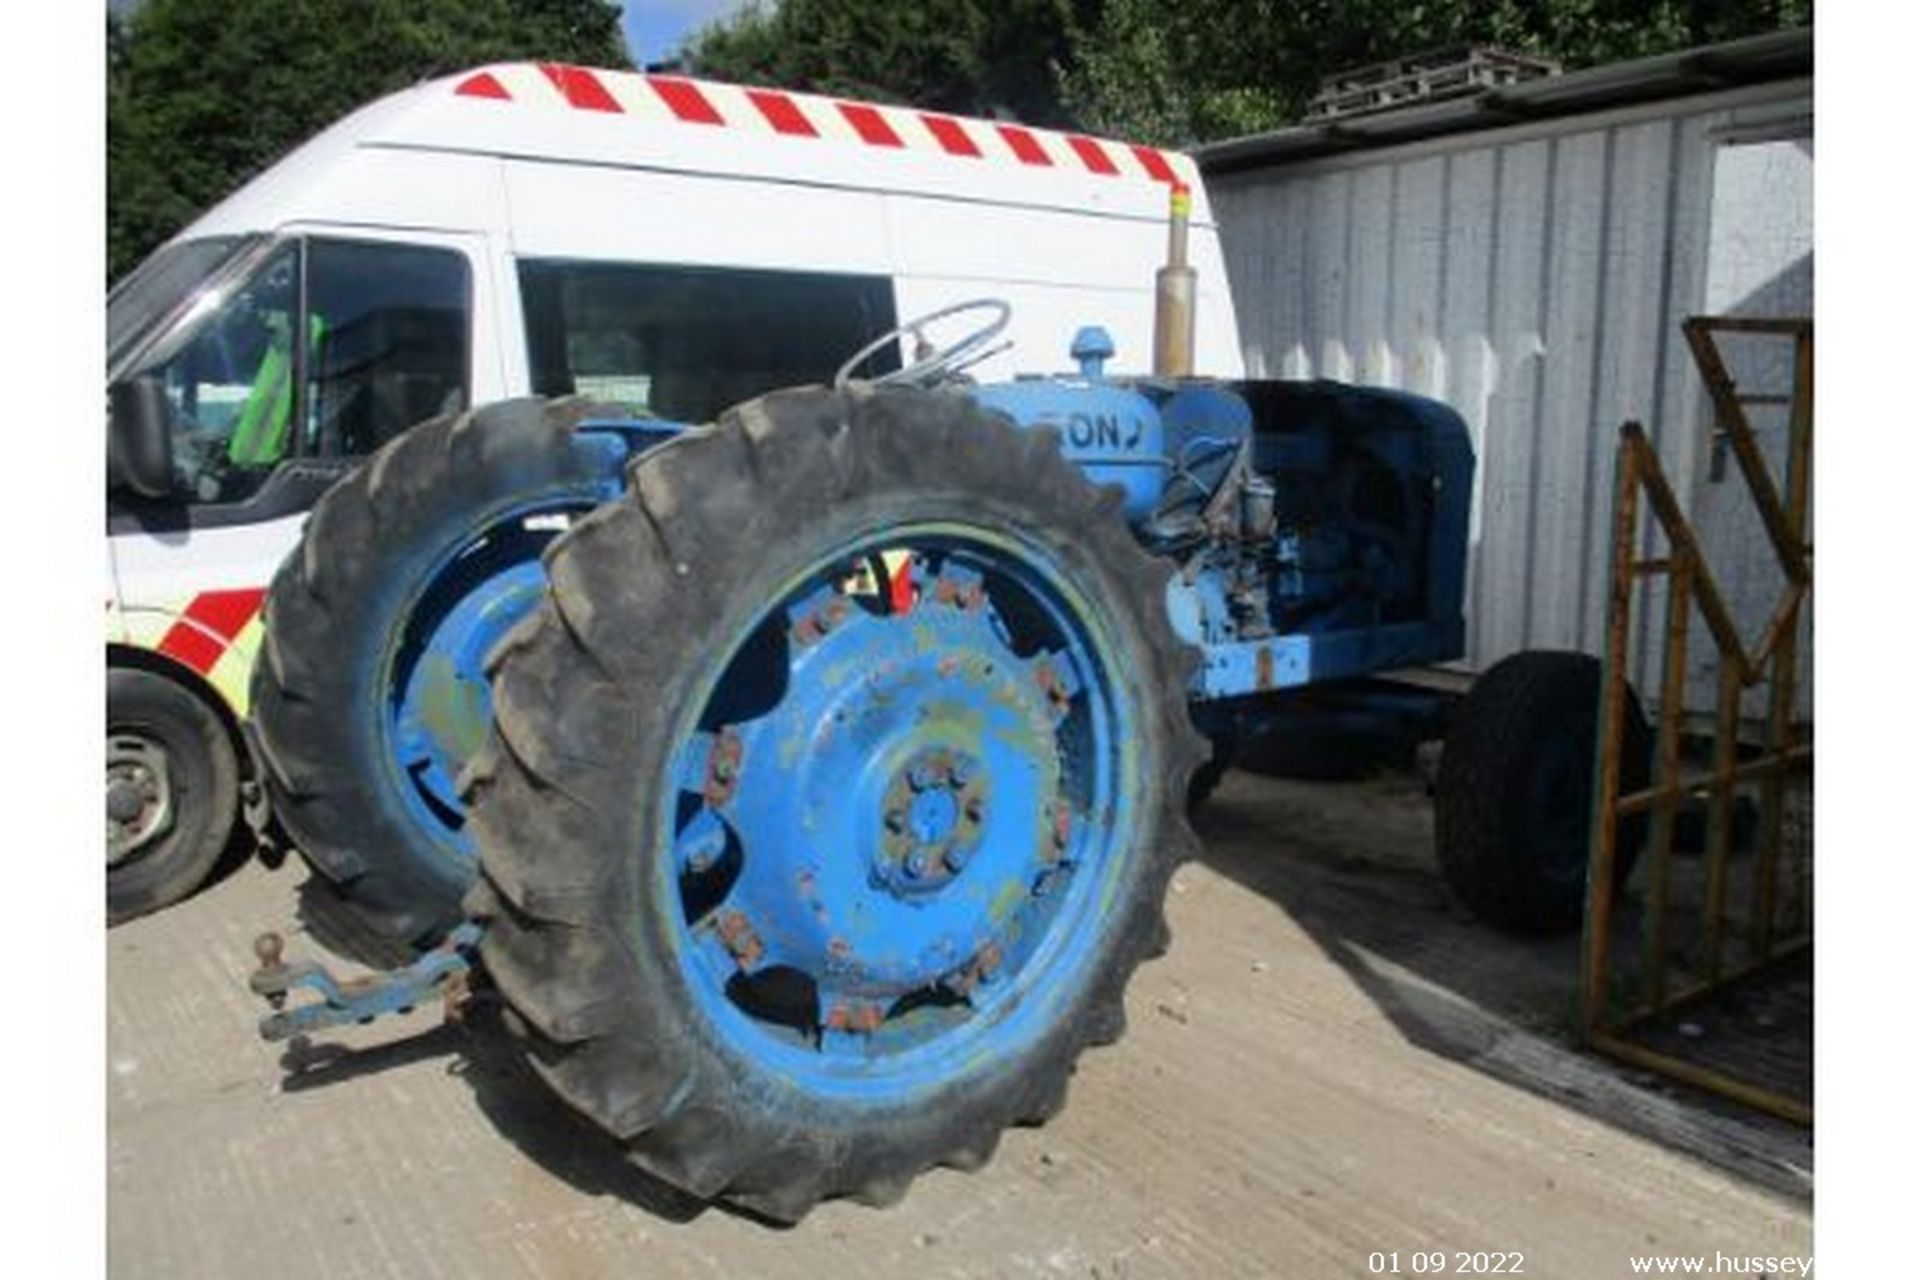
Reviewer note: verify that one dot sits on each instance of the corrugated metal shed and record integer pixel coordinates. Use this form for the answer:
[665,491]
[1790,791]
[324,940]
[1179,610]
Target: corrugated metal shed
[1535,276]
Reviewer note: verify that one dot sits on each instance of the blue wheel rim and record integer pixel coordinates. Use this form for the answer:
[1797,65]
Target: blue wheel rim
[439,703]
[900,816]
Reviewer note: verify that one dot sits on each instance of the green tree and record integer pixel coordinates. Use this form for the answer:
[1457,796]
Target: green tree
[1173,73]
[1207,69]
[203,94]
[973,57]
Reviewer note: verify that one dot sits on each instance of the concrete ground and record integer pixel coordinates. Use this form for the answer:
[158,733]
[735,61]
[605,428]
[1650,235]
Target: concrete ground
[1330,1063]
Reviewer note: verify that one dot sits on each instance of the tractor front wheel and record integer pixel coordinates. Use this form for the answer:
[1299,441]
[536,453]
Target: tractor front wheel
[832,795]
[1513,802]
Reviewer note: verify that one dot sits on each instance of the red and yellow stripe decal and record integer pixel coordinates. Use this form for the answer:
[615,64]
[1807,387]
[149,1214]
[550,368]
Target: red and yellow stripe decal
[817,119]
[215,634]
[209,624]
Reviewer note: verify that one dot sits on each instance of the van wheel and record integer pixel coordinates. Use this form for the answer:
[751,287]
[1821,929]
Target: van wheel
[370,694]
[1513,803]
[173,788]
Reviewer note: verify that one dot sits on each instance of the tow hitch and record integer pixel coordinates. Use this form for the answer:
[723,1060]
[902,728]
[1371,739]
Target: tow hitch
[442,972]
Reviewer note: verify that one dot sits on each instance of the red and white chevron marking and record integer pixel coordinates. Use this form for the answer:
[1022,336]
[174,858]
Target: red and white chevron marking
[807,117]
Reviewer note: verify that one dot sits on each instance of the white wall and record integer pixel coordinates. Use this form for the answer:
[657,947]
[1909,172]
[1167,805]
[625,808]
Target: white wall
[1535,278]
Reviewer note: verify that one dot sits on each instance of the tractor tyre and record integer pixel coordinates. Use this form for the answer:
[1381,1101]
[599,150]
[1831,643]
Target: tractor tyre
[1513,802]
[370,693]
[799,886]
[1221,756]
[173,791]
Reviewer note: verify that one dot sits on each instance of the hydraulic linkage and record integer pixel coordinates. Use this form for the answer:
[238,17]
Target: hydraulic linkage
[442,972]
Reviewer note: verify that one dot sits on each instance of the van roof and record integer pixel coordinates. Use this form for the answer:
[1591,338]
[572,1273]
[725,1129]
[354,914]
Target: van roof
[556,113]
[663,100]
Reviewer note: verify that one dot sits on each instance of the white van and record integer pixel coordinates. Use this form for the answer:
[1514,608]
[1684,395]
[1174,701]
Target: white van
[670,244]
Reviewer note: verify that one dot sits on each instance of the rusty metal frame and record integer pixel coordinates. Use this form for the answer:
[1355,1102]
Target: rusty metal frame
[1693,588]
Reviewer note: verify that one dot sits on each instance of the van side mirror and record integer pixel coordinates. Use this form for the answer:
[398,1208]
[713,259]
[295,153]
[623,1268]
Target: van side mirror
[140,436]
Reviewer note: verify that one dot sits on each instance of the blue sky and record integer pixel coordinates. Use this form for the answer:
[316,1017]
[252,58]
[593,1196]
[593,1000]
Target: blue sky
[654,28]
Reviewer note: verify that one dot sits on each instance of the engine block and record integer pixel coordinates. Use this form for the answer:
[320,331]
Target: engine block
[1320,528]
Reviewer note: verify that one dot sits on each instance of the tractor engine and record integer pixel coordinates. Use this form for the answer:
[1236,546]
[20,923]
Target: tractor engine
[1320,528]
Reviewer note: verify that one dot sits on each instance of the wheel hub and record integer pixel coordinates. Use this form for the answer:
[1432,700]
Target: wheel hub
[872,853]
[125,798]
[859,799]
[139,795]
[932,815]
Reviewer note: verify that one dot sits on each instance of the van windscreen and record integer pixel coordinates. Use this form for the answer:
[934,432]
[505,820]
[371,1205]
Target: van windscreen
[160,286]
[685,343]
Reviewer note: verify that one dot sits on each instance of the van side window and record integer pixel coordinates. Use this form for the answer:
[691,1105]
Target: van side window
[388,328]
[685,343]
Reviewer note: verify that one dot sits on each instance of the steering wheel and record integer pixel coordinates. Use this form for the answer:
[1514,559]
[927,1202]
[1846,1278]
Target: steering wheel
[930,364]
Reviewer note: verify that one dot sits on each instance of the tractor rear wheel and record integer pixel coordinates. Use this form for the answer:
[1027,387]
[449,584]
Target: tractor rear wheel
[832,795]
[370,693]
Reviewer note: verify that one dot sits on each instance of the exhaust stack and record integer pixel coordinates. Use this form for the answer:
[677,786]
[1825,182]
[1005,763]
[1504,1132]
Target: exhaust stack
[1174,295]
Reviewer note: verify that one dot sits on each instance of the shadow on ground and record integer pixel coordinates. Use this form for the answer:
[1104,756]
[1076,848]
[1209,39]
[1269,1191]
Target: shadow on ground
[1352,864]
[482,1055]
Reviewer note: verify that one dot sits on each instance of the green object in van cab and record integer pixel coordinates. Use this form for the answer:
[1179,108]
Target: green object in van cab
[260,430]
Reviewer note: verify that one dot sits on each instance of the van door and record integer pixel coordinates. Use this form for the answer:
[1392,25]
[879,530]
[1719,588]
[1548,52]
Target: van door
[330,346]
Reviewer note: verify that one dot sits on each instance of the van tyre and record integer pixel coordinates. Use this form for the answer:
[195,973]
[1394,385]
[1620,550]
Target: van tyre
[172,792]
[587,943]
[343,617]
[1513,800]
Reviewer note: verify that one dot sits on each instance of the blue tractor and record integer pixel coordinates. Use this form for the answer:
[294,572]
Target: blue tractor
[807,784]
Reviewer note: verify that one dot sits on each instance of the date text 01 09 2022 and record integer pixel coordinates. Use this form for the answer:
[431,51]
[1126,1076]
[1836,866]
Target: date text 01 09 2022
[1439,1262]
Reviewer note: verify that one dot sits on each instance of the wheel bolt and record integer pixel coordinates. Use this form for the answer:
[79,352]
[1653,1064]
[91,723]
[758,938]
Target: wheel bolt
[896,820]
[917,865]
[956,858]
